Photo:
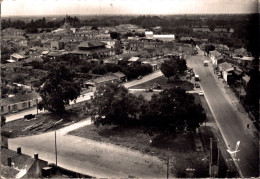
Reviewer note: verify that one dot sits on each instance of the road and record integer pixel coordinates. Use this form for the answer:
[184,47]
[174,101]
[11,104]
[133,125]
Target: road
[90,157]
[12,117]
[146,78]
[228,121]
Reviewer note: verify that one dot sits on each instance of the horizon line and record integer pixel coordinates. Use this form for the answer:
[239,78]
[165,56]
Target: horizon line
[180,14]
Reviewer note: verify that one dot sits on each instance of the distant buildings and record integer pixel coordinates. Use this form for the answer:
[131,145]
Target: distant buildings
[91,49]
[162,37]
[11,32]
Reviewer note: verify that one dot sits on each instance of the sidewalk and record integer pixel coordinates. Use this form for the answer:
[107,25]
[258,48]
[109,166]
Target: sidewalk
[234,101]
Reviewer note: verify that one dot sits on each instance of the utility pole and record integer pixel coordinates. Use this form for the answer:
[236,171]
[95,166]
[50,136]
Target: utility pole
[55,148]
[168,163]
[211,162]
[37,105]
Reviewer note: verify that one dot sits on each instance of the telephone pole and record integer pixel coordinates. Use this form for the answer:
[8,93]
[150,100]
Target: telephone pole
[168,163]
[55,148]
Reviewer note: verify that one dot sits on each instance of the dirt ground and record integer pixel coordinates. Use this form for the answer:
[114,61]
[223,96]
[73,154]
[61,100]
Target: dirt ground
[182,153]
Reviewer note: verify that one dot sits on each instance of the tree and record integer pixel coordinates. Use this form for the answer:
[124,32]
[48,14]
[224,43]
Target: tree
[253,92]
[58,89]
[3,120]
[112,104]
[172,111]
[114,35]
[173,66]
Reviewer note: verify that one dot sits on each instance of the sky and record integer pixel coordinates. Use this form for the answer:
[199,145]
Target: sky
[95,7]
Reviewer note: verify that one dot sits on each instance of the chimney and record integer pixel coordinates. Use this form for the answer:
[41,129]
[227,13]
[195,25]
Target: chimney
[19,151]
[9,161]
[36,156]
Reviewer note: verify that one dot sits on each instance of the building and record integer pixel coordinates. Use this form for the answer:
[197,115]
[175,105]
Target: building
[133,60]
[18,165]
[12,32]
[164,37]
[96,83]
[91,49]
[226,69]
[19,102]
[15,57]
[148,35]
[215,57]
[57,45]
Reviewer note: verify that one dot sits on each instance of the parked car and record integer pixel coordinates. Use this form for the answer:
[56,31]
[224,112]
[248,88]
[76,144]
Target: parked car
[29,116]
[139,77]
[149,90]
[201,93]
[197,85]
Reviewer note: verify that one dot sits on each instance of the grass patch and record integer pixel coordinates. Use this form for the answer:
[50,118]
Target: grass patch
[165,84]
[182,150]
[44,122]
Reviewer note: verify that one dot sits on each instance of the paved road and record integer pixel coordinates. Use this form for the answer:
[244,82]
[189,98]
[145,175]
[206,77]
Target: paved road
[90,157]
[146,78]
[229,123]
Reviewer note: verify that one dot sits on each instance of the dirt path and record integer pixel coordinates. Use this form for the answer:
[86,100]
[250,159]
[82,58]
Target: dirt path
[90,157]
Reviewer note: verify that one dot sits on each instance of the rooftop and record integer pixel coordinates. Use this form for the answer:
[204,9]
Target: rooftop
[92,43]
[18,98]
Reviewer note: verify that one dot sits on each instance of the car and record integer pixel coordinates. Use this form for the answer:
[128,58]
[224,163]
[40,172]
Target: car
[201,93]
[197,85]
[29,116]
[139,77]
[149,90]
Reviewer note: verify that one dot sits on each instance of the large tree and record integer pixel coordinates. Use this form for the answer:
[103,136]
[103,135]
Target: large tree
[172,111]
[173,66]
[58,89]
[112,104]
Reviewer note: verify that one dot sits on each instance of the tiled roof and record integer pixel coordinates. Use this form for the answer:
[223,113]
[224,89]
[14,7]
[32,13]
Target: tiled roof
[91,43]
[19,98]
[226,66]
[119,74]
[8,172]
[21,161]
[90,51]
[102,79]
[18,56]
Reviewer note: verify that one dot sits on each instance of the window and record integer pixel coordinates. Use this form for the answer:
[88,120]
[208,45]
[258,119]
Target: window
[14,107]
[2,108]
[24,104]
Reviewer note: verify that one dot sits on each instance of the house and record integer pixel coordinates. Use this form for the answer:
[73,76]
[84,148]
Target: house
[18,165]
[121,76]
[226,69]
[91,49]
[47,44]
[19,102]
[215,57]
[164,37]
[148,35]
[12,32]
[15,57]
[133,60]
[57,45]
[94,84]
